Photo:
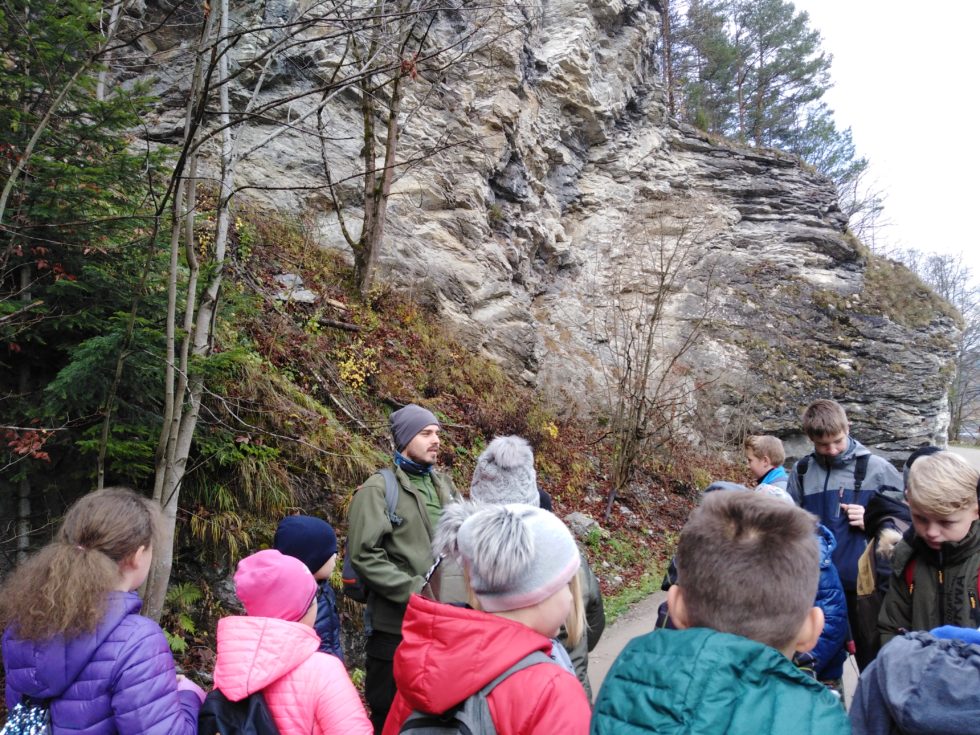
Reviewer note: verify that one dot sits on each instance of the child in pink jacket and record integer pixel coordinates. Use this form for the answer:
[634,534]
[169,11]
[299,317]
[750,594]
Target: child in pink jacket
[274,649]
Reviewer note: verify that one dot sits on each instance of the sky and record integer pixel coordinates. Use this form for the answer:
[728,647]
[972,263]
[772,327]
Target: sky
[906,77]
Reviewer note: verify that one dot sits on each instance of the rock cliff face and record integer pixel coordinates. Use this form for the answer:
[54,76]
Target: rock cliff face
[547,236]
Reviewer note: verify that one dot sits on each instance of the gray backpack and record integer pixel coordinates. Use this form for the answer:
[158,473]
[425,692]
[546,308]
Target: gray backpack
[472,715]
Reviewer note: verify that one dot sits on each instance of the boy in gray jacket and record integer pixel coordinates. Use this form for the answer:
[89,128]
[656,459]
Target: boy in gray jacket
[835,482]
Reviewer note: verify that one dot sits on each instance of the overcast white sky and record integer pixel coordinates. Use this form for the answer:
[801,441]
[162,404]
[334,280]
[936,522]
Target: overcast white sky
[905,80]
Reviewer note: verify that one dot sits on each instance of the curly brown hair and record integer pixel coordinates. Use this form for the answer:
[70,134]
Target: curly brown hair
[63,589]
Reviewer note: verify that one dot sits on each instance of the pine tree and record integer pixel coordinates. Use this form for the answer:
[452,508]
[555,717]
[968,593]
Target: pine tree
[703,63]
[77,251]
[780,70]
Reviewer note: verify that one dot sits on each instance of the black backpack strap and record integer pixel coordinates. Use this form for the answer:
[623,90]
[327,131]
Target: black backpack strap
[802,466]
[860,471]
[391,495]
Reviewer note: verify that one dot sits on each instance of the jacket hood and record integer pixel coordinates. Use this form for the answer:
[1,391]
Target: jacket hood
[449,652]
[45,669]
[919,676]
[886,510]
[854,449]
[827,545]
[705,681]
[253,652]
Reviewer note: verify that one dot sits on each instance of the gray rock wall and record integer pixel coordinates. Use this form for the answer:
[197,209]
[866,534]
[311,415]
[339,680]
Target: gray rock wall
[552,221]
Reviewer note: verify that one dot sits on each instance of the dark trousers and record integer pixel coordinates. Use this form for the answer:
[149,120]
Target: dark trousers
[854,623]
[379,679]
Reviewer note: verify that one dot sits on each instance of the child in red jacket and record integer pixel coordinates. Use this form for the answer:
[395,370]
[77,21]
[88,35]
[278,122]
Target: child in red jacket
[520,563]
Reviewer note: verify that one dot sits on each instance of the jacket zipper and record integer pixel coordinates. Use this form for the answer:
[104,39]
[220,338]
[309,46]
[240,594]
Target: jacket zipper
[941,591]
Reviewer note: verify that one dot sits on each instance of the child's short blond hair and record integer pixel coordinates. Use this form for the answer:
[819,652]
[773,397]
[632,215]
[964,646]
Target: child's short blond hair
[824,418]
[942,484]
[766,445]
[749,564]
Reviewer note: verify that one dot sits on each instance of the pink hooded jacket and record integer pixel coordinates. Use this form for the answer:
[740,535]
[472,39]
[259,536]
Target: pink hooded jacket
[307,691]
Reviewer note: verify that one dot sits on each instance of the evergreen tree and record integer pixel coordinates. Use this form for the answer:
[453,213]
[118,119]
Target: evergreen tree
[780,69]
[754,71]
[704,60]
[77,254]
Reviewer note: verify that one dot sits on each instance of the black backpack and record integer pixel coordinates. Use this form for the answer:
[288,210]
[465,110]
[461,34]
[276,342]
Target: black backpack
[354,586]
[472,715]
[29,717]
[220,716]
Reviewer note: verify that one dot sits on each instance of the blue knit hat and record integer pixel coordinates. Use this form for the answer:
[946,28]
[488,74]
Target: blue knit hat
[311,540]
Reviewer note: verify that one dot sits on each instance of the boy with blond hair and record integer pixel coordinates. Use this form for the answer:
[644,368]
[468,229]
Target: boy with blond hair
[835,482]
[765,456]
[747,568]
[934,578]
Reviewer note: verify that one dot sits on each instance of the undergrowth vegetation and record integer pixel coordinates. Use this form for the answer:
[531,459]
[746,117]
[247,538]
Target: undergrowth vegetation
[297,418]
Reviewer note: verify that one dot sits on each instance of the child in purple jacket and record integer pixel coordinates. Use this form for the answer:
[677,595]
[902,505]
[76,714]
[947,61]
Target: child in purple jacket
[75,641]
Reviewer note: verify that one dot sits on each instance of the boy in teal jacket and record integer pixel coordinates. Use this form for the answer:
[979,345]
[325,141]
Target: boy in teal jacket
[747,576]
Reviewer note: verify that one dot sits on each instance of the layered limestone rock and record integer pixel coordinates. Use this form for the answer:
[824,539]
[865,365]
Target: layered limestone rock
[568,202]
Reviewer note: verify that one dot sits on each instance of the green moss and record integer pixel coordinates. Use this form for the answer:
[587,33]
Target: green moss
[893,291]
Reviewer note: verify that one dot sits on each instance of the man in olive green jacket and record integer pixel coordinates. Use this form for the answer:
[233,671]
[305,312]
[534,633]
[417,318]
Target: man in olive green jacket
[392,552]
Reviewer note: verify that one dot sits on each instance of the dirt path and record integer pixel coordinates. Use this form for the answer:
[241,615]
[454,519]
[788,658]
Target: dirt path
[970,454]
[636,621]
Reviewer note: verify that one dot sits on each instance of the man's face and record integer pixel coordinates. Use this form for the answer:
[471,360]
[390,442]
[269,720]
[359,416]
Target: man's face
[424,447]
[938,530]
[830,445]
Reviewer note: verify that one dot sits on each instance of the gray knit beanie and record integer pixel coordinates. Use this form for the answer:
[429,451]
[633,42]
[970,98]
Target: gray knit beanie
[408,421]
[504,473]
[516,555]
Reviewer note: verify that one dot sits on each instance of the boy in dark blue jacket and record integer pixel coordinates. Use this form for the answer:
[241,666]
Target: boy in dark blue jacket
[313,542]
[835,482]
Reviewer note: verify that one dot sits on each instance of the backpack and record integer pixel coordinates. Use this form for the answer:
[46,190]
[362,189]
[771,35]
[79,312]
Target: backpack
[220,716]
[472,715]
[354,586]
[29,717]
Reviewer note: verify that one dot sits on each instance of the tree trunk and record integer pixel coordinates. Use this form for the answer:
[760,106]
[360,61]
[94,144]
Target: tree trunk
[374,226]
[23,386]
[178,427]
[668,42]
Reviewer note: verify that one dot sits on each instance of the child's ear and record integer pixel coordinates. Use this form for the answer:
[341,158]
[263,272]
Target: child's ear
[677,608]
[810,631]
[132,561]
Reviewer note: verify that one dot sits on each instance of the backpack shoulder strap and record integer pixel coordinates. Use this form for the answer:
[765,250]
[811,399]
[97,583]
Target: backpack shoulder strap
[391,495]
[909,573]
[532,659]
[860,471]
[802,466]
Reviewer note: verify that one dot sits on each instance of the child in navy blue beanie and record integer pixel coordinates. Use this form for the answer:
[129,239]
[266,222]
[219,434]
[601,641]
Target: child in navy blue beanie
[313,542]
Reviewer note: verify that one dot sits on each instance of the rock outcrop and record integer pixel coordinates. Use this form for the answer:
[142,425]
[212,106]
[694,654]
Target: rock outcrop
[570,201]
